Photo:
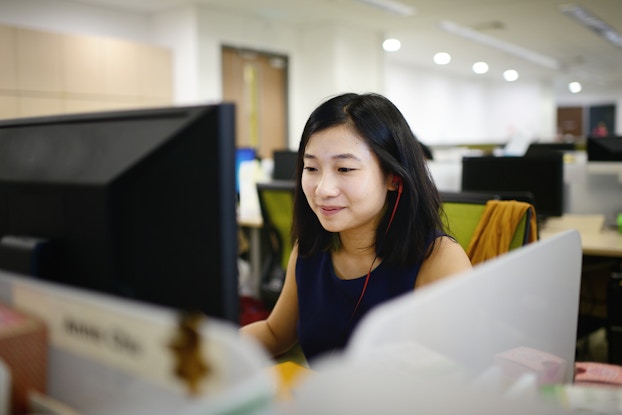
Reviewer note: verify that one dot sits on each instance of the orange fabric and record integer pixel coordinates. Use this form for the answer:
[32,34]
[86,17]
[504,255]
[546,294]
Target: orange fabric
[288,375]
[496,228]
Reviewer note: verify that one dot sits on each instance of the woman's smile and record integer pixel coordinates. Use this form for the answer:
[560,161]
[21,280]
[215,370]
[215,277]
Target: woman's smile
[330,210]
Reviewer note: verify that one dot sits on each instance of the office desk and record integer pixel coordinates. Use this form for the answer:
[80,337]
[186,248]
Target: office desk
[254,224]
[595,240]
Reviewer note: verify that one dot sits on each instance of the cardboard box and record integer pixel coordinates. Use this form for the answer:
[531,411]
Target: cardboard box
[24,349]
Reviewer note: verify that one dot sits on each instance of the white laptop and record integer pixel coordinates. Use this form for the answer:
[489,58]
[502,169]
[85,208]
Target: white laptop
[508,324]
[527,298]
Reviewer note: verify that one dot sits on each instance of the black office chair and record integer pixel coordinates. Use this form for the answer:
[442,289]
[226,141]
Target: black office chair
[467,197]
[594,314]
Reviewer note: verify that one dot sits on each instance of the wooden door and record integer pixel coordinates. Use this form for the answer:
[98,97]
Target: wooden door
[570,123]
[257,83]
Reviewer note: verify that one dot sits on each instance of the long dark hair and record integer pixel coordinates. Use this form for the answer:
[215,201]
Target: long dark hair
[385,130]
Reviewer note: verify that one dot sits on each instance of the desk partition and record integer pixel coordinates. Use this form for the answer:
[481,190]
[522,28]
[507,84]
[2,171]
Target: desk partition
[108,355]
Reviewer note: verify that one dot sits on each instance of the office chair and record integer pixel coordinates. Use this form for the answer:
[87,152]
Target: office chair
[467,216]
[463,211]
[276,202]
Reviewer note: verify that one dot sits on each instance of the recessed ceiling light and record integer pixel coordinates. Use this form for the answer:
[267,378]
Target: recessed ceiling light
[510,75]
[442,58]
[480,67]
[574,87]
[391,45]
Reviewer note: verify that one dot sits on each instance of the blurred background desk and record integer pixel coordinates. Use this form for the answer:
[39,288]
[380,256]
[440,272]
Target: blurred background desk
[254,224]
[596,240]
[601,282]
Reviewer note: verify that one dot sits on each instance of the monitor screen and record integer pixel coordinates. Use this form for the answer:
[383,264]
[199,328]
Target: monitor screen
[242,154]
[284,164]
[541,175]
[538,148]
[137,203]
[604,148]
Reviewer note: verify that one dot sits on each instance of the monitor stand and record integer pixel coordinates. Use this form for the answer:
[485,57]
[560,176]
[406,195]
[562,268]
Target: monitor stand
[24,254]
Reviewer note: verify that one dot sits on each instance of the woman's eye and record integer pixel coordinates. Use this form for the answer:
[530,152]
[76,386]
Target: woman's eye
[344,169]
[309,168]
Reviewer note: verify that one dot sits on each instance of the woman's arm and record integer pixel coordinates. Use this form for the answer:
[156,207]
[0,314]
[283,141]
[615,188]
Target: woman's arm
[446,259]
[277,333]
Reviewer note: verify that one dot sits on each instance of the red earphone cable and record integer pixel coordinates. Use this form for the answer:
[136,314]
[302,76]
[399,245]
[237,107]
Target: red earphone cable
[399,194]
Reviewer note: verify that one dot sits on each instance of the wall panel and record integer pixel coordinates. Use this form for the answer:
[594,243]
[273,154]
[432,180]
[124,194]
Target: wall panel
[8,107]
[8,80]
[38,56]
[46,73]
[83,65]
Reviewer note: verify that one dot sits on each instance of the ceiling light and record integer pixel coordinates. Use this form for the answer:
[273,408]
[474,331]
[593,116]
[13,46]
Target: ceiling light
[442,58]
[391,6]
[512,49]
[480,67]
[510,75]
[391,45]
[591,21]
[574,87]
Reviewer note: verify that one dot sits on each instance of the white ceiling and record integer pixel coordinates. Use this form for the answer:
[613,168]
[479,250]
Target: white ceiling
[535,25]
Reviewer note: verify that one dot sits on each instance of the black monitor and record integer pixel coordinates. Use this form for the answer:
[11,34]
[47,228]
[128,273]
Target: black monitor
[284,164]
[539,148]
[242,154]
[541,175]
[139,204]
[604,148]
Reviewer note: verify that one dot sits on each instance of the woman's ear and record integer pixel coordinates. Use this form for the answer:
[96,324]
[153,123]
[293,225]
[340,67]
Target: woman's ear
[396,183]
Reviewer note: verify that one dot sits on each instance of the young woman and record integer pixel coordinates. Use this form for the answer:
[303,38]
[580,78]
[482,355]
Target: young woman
[367,226]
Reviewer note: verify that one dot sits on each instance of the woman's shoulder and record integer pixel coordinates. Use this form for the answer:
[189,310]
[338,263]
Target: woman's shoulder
[447,258]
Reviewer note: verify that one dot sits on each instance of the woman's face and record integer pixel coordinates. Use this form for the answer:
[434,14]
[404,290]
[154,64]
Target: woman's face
[342,180]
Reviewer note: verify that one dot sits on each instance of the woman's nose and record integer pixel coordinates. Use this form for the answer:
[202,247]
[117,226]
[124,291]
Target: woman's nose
[327,186]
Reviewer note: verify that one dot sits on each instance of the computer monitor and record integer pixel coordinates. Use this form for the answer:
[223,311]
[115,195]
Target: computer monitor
[604,148]
[242,154]
[139,204]
[539,148]
[541,175]
[284,164]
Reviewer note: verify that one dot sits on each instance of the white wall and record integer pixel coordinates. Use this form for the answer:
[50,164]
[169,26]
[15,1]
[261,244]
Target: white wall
[71,17]
[330,60]
[176,30]
[323,61]
[444,110]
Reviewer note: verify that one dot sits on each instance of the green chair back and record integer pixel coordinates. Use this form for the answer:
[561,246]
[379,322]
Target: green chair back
[276,201]
[461,220]
[521,233]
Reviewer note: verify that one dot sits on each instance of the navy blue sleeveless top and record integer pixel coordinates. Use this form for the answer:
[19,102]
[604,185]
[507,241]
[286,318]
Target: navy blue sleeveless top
[326,302]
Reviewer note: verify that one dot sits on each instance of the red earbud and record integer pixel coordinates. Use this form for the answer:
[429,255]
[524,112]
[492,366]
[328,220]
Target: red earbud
[397,181]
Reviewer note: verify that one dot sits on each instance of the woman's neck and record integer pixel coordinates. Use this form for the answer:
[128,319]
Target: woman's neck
[355,256]
[357,244]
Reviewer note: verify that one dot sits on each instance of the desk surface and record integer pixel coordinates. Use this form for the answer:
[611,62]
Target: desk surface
[250,221]
[595,240]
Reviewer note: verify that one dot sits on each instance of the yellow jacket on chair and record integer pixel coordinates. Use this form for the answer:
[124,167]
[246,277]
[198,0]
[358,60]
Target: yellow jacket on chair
[496,228]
